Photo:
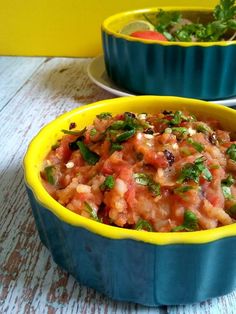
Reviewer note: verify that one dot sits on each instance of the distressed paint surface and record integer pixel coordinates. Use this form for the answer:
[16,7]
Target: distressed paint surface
[33,91]
[14,72]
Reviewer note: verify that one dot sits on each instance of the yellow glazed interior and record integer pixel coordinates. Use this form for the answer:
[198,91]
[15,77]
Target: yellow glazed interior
[114,23]
[41,144]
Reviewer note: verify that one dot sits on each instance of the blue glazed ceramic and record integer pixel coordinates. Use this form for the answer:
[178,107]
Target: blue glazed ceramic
[188,69]
[149,268]
[130,270]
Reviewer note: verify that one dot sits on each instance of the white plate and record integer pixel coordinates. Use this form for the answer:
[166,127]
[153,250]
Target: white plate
[97,73]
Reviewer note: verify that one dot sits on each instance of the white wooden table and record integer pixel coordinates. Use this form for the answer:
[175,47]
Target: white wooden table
[33,91]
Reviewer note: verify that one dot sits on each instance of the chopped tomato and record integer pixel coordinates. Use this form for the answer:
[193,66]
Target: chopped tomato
[151,35]
[156,159]
[63,152]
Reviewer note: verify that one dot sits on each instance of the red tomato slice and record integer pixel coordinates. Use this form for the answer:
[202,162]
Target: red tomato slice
[153,35]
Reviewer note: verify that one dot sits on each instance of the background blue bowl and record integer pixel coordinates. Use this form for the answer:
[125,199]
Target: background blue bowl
[194,70]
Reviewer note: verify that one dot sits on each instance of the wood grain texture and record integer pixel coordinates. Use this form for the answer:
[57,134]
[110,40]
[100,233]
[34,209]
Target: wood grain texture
[14,72]
[30,282]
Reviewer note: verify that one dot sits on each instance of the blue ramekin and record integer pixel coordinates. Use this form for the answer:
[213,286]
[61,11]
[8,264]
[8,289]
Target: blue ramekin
[149,268]
[204,70]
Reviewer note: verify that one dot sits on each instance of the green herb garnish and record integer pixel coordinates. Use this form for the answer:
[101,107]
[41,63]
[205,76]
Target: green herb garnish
[199,147]
[143,225]
[104,115]
[203,128]
[190,222]
[125,136]
[231,151]
[222,22]
[55,146]
[93,132]
[183,189]
[115,146]
[180,130]
[225,186]
[91,157]
[192,171]
[166,20]
[91,211]
[108,183]
[232,211]
[144,179]
[49,174]
[117,125]
[77,133]
[177,118]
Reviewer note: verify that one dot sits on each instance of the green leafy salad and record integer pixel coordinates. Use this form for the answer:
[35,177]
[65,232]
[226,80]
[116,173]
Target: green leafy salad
[175,27]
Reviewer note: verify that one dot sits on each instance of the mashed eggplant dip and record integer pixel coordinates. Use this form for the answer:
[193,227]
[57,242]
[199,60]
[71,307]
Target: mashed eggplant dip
[164,172]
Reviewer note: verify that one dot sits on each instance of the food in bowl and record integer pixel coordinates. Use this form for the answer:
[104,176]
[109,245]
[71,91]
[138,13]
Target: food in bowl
[150,268]
[164,172]
[173,26]
[197,64]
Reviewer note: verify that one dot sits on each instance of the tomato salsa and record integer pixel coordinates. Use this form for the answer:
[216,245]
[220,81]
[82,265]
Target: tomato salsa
[164,172]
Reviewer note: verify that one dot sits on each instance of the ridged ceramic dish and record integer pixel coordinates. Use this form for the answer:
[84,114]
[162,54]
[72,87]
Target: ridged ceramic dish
[203,70]
[143,267]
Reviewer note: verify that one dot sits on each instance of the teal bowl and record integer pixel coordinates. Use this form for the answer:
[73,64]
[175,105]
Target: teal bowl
[204,70]
[149,268]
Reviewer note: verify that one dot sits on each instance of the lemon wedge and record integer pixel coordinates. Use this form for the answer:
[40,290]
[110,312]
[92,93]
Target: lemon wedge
[137,25]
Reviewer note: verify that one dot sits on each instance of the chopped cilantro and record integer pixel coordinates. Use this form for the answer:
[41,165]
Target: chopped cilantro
[190,222]
[232,211]
[91,211]
[144,179]
[108,183]
[93,132]
[104,115]
[165,20]
[199,147]
[192,171]
[183,189]
[154,188]
[225,186]
[49,174]
[143,225]
[222,22]
[231,151]
[55,146]
[78,133]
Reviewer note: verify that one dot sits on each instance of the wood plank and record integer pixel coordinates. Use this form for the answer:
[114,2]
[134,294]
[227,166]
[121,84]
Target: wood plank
[13,74]
[221,305]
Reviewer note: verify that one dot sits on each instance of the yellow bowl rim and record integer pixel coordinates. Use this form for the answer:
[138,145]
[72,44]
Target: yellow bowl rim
[33,182]
[106,29]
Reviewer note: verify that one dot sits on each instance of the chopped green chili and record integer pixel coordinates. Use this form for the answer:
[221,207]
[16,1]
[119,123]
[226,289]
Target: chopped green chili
[89,156]
[49,174]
